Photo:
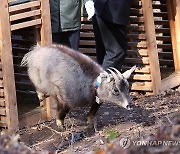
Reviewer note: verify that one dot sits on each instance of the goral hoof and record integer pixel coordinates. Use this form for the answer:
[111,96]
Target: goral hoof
[60,125]
[89,130]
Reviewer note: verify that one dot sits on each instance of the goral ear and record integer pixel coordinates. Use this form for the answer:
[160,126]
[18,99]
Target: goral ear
[128,73]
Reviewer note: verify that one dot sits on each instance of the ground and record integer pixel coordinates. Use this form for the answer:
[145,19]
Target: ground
[112,123]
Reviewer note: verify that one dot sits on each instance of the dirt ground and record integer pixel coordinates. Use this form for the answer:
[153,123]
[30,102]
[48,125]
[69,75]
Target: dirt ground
[111,123]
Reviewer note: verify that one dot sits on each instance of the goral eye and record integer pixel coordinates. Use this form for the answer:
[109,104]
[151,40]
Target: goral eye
[115,91]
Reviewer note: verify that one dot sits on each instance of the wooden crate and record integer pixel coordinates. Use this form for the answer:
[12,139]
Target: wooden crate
[15,16]
[152,46]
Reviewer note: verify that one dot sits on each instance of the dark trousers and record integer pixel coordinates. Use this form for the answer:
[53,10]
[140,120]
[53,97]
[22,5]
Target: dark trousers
[111,42]
[69,38]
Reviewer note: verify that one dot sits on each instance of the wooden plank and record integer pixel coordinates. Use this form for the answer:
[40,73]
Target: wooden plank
[87,34]
[138,53]
[174,19]
[2,93]
[25,24]
[46,39]
[152,46]
[136,36]
[136,20]
[24,15]
[144,60]
[1,75]
[172,81]
[3,125]
[2,102]
[24,86]
[11,1]
[145,69]
[34,117]
[24,6]
[163,38]
[134,11]
[141,44]
[87,42]
[7,68]
[143,77]
[161,22]
[142,86]
[162,30]
[135,28]
[160,14]
[87,50]
[2,111]
[87,27]
[164,46]
[165,54]
[1,84]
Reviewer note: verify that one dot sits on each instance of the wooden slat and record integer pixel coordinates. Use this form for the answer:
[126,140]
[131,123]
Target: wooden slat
[165,54]
[166,62]
[136,20]
[172,81]
[24,86]
[24,6]
[160,14]
[3,119]
[87,42]
[144,60]
[143,77]
[140,52]
[7,68]
[161,22]
[164,46]
[1,75]
[145,69]
[142,86]
[163,38]
[25,15]
[26,24]
[159,6]
[87,26]
[162,30]
[87,34]
[141,44]
[3,125]
[1,84]
[87,50]
[136,36]
[136,28]
[2,111]
[11,1]
[33,117]
[2,102]
[135,11]
[26,94]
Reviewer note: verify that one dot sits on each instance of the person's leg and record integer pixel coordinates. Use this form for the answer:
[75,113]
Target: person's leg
[115,41]
[57,37]
[100,49]
[73,39]
[61,38]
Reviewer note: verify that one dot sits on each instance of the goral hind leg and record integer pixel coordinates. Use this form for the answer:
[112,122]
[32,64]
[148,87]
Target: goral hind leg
[62,110]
